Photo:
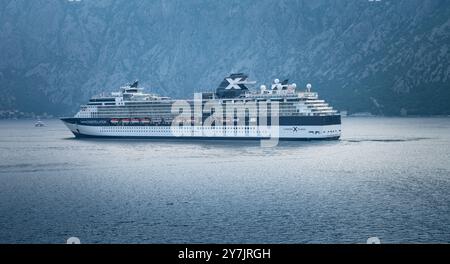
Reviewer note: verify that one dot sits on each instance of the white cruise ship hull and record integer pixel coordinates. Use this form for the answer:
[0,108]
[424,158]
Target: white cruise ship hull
[199,132]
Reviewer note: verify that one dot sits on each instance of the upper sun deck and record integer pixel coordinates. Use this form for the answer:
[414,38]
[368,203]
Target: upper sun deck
[272,96]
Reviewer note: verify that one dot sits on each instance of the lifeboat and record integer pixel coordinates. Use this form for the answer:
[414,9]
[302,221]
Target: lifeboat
[114,121]
[125,121]
[135,121]
[145,121]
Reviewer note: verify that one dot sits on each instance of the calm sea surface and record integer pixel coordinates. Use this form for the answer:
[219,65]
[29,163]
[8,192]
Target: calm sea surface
[386,177]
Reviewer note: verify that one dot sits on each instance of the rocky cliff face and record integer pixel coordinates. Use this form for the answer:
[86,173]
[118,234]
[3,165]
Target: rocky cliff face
[385,57]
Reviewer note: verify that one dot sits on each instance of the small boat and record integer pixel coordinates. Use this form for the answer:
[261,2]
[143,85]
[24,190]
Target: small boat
[39,124]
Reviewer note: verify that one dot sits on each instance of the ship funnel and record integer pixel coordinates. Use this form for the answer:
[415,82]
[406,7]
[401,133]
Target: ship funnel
[233,86]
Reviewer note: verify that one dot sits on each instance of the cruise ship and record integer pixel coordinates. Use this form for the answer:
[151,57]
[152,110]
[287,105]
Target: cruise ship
[233,111]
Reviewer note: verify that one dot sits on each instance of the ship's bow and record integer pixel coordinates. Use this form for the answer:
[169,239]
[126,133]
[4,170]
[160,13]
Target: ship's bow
[71,124]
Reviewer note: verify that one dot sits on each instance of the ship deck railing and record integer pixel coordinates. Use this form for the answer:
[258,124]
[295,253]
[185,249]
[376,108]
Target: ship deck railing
[305,95]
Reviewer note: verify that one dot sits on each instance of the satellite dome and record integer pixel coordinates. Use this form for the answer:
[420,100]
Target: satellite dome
[276,81]
[294,85]
[308,86]
[262,87]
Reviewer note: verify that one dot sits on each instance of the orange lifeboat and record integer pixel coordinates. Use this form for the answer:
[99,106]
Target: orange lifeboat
[145,121]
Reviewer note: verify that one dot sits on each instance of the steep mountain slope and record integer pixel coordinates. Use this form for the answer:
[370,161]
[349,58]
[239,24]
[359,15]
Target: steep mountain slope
[380,57]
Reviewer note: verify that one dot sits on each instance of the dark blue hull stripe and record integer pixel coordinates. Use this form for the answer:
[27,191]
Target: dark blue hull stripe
[78,135]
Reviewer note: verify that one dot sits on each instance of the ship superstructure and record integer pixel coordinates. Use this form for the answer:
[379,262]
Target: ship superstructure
[232,111]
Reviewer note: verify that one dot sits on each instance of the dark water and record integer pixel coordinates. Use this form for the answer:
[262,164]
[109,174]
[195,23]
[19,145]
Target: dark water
[387,177]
